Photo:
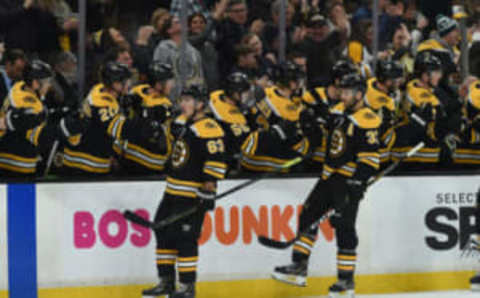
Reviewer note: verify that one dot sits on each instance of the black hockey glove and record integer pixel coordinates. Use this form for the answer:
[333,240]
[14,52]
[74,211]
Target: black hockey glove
[356,188]
[23,119]
[207,198]
[151,129]
[424,115]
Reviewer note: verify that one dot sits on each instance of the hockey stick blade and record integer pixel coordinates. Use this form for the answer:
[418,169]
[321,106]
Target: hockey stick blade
[137,219]
[265,241]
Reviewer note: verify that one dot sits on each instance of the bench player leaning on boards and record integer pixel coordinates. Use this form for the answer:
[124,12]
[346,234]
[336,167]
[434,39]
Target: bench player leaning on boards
[317,103]
[352,158]
[279,138]
[143,146]
[381,91]
[231,108]
[26,138]
[427,120]
[197,162]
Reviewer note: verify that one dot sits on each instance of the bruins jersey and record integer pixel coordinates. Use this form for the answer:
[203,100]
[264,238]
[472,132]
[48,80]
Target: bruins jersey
[198,156]
[92,152]
[234,123]
[380,102]
[18,144]
[263,152]
[408,137]
[353,145]
[314,99]
[468,151]
[149,101]
[442,52]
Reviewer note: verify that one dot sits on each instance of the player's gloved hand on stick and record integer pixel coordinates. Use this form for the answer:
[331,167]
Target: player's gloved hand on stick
[207,198]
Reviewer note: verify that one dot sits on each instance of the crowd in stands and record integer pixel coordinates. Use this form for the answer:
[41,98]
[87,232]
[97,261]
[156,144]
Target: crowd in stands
[231,36]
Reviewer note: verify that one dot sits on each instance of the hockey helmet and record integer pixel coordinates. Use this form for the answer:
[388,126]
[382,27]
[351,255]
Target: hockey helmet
[426,62]
[115,72]
[236,82]
[159,72]
[37,70]
[388,70]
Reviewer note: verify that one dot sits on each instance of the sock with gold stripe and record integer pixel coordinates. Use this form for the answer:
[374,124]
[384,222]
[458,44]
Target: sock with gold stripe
[303,248]
[166,259]
[187,268]
[346,262]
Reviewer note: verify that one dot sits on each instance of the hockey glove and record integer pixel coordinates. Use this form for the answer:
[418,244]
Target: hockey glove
[356,188]
[151,129]
[207,198]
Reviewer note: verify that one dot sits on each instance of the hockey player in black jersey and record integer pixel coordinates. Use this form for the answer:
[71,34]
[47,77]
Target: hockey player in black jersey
[317,103]
[280,137]
[231,108]
[352,158]
[143,147]
[197,162]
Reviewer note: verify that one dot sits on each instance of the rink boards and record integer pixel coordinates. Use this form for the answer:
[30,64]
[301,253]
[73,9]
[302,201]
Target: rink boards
[70,240]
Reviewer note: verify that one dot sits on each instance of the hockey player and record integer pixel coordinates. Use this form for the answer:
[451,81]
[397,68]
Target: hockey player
[143,146]
[317,103]
[197,162]
[428,121]
[231,108]
[280,138]
[352,159]
[381,91]
[91,153]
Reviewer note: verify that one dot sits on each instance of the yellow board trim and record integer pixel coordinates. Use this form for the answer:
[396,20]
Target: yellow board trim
[3,294]
[365,284]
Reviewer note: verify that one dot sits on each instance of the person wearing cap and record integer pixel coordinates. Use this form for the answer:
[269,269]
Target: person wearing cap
[323,48]
[444,46]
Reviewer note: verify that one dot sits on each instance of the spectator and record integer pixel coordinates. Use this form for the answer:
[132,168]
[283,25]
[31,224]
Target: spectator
[390,20]
[148,38]
[322,49]
[359,47]
[264,65]
[31,27]
[229,33]
[14,61]
[245,61]
[187,69]
[338,19]
[271,30]
[400,48]
[193,7]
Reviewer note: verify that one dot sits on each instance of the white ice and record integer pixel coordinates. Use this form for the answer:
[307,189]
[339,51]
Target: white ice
[443,294]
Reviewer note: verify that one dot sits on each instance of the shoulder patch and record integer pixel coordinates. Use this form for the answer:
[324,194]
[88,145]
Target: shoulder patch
[383,99]
[365,118]
[29,99]
[424,95]
[207,128]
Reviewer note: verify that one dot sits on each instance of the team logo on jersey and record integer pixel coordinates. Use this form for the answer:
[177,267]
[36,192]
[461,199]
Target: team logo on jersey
[424,95]
[338,143]
[180,154]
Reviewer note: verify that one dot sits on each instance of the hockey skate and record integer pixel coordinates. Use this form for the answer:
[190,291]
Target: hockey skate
[184,291]
[293,274]
[163,288]
[475,282]
[342,288]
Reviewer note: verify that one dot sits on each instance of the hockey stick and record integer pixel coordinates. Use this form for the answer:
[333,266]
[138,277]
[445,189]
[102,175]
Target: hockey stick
[53,151]
[135,218]
[285,244]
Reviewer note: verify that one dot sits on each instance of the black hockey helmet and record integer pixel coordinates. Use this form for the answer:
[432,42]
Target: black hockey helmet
[353,81]
[36,70]
[115,72]
[198,92]
[342,68]
[286,72]
[159,72]
[236,82]
[388,70]
[426,62]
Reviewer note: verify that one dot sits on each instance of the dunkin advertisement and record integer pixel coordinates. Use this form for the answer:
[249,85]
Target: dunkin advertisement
[404,225]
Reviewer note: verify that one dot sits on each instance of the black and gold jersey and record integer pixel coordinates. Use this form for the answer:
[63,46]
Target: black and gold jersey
[92,152]
[441,51]
[263,152]
[353,144]
[149,101]
[468,151]
[380,102]
[407,135]
[198,156]
[18,144]
[233,122]
[314,99]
